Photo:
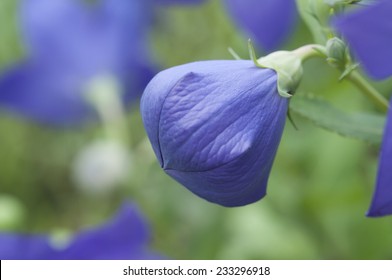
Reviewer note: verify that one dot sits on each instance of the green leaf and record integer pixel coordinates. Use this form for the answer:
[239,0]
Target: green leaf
[363,126]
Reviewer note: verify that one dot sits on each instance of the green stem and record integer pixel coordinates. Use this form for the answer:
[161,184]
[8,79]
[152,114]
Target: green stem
[314,50]
[310,51]
[104,95]
[365,87]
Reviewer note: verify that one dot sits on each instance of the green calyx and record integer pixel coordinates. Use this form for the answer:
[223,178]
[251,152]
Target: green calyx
[288,68]
[286,64]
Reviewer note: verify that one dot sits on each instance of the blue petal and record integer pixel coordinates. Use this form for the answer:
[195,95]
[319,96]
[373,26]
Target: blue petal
[382,198]
[267,22]
[19,247]
[369,34]
[215,127]
[45,94]
[123,237]
[98,36]
[65,55]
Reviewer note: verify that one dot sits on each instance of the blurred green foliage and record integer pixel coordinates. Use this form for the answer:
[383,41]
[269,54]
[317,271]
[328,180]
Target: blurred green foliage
[319,189]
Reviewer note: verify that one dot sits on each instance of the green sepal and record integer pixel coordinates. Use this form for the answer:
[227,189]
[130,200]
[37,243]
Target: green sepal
[290,117]
[233,53]
[348,71]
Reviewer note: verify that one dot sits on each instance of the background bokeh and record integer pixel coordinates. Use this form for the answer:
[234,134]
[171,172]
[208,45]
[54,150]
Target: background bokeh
[319,189]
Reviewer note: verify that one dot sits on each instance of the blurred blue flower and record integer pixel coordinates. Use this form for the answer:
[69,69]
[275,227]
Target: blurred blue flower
[123,237]
[215,127]
[70,43]
[369,34]
[267,22]
[382,198]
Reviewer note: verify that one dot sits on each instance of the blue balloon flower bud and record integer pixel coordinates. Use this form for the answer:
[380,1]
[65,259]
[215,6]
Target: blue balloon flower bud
[215,127]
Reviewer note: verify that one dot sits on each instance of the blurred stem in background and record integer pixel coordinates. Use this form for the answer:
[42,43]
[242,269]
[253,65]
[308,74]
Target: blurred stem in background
[104,94]
[105,164]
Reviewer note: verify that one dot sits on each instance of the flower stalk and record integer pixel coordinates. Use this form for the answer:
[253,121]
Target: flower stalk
[366,88]
[313,50]
[309,51]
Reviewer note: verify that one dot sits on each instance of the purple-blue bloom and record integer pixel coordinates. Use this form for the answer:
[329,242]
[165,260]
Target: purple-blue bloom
[369,34]
[382,198]
[123,237]
[215,127]
[69,43]
[267,22]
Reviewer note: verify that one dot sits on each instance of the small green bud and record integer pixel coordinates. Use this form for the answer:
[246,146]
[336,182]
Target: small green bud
[337,53]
